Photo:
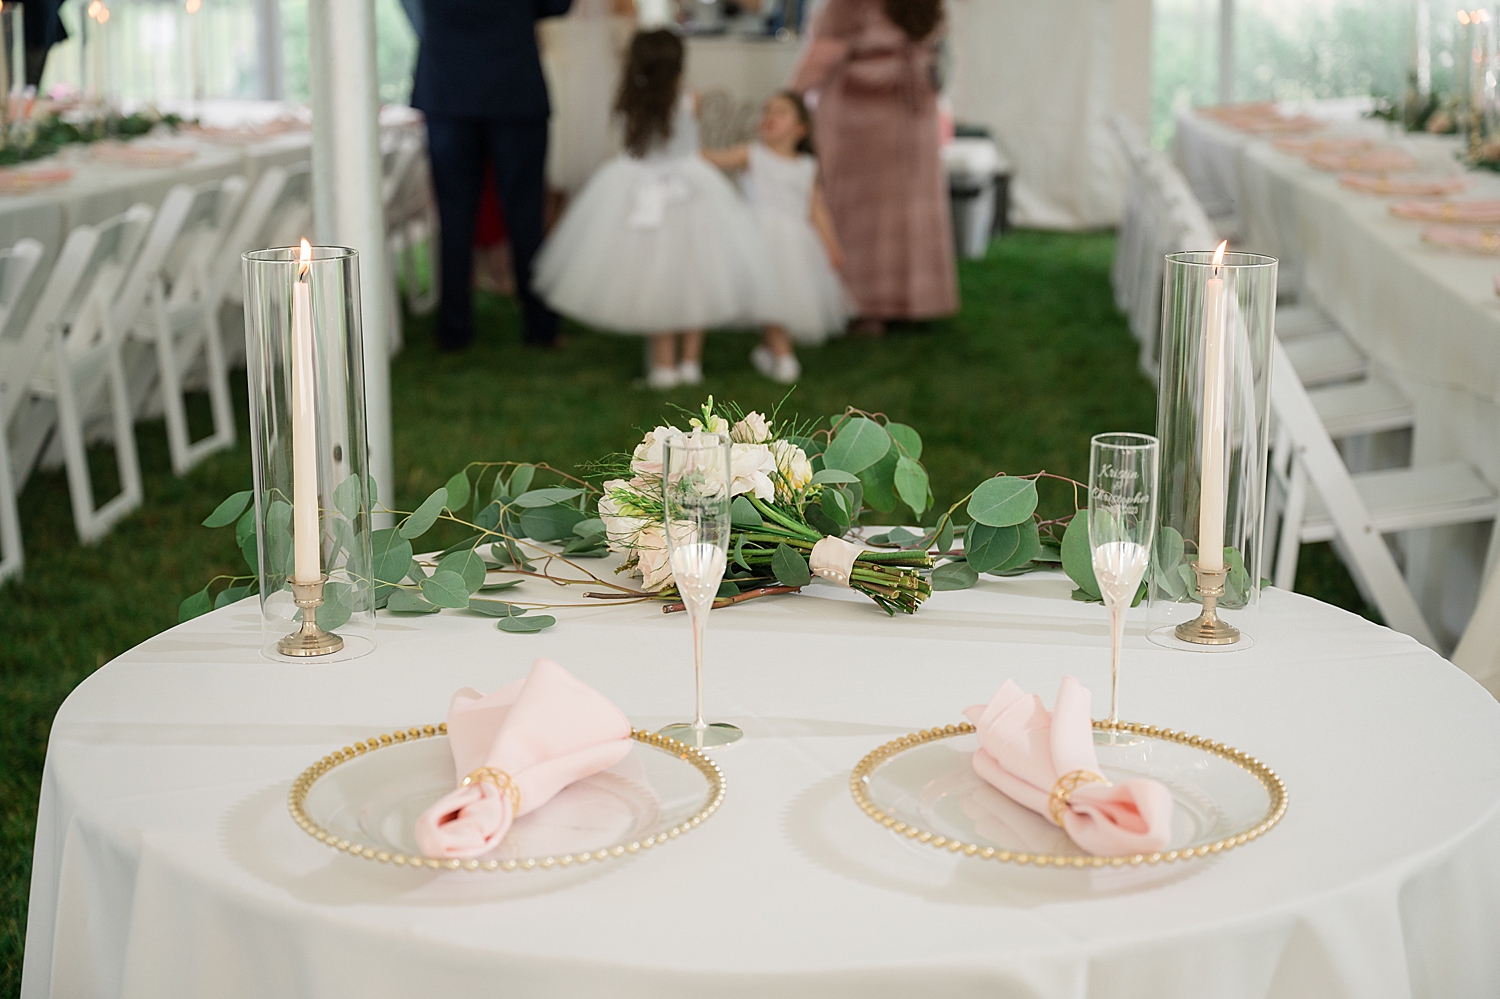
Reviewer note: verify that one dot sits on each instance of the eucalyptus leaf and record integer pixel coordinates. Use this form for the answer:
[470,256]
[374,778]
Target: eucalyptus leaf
[469,567]
[790,568]
[403,601]
[728,589]
[194,606]
[742,513]
[550,523]
[836,506]
[911,484]
[392,555]
[1169,549]
[1049,552]
[504,584]
[988,548]
[546,497]
[812,447]
[507,553]
[488,518]
[944,538]
[879,483]
[1078,555]
[520,479]
[374,496]
[954,576]
[250,549]
[458,491]
[229,511]
[245,527]
[833,475]
[338,606]
[348,497]
[415,571]
[860,443]
[425,516]
[525,625]
[459,546]
[279,537]
[591,528]
[446,589]
[1028,546]
[230,594]
[1003,501]
[907,437]
[590,547]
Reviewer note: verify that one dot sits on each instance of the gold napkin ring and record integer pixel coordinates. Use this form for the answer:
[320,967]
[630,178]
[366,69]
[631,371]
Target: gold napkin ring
[507,786]
[1062,791]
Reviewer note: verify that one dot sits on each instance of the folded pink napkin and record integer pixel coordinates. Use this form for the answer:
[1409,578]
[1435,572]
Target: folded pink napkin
[513,750]
[1046,761]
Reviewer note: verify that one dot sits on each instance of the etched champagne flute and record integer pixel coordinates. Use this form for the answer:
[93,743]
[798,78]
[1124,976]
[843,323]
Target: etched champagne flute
[1122,526]
[695,499]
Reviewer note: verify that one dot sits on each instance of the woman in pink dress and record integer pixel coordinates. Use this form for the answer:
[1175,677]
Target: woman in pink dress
[870,63]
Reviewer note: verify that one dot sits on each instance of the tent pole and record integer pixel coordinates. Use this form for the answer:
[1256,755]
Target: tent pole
[347,208]
[1226,51]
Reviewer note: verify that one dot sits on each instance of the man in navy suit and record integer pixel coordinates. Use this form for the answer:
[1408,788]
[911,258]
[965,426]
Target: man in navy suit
[479,81]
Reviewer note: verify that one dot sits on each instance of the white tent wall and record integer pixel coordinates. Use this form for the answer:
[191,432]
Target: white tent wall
[1043,78]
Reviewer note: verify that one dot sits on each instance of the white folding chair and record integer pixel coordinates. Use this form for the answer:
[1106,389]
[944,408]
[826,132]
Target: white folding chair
[1320,501]
[18,359]
[290,218]
[411,222]
[75,317]
[164,302]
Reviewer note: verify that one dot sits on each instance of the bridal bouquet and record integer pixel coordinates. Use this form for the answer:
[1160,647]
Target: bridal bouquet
[793,488]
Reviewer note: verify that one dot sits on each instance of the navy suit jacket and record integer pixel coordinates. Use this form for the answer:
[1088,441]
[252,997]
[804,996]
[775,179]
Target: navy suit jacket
[478,58]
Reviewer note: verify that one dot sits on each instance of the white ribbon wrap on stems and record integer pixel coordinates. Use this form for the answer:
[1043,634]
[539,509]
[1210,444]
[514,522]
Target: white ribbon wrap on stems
[833,559]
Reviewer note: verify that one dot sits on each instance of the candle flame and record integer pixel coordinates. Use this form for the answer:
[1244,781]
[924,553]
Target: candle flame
[1219,255]
[304,257]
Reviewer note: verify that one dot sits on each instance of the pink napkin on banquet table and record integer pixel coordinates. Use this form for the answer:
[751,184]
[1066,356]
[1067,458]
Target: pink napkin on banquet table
[1024,749]
[541,733]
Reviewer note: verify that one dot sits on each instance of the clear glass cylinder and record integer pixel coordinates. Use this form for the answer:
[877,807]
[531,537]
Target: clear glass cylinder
[338,459]
[1214,320]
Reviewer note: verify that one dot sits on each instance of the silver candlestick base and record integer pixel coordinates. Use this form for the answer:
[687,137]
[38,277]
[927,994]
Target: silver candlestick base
[309,640]
[1207,628]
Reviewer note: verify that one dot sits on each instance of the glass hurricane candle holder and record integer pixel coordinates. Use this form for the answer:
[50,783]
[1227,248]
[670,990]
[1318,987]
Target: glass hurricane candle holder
[1213,421]
[313,493]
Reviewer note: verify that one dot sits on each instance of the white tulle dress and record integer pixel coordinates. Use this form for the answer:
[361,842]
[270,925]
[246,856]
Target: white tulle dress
[809,299]
[657,244]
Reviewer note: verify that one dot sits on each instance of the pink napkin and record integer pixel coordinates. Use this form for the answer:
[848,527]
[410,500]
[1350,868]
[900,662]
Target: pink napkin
[535,737]
[1024,749]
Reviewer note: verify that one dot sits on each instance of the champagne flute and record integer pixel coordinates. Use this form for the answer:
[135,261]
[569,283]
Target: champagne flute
[695,498]
[1122,524]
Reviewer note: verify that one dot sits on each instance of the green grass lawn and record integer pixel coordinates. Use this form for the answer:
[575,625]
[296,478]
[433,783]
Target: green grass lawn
[1036,363]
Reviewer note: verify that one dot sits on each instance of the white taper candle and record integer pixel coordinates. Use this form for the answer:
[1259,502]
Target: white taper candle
[1211,504]
[306,541]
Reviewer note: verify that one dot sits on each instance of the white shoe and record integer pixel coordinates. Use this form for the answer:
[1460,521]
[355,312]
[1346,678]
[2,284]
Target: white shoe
[662,379]
[784,370]
[690,373]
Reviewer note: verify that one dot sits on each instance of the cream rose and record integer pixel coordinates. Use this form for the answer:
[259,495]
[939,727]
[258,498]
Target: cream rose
[752,429]
[793,470]
[751,467]
[651,557]
[646,460]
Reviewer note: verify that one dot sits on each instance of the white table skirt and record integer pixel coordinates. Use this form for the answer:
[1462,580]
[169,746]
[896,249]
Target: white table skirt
[166,864]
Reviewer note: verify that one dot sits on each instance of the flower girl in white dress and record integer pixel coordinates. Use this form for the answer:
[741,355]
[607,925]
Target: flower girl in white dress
[658,242]
[780,181]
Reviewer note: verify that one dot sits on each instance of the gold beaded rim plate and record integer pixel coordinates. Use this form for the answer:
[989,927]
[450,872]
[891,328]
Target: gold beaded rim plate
[859,787]
[303,786]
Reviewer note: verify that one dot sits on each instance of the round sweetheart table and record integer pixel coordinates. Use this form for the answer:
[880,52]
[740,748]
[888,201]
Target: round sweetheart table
[167,865]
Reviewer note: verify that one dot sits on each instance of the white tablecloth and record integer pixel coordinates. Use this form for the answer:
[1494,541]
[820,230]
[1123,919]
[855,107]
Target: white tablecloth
[166,864]
[1428,318]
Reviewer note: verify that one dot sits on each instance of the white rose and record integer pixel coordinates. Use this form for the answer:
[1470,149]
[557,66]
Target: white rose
[753,429]
[652,559]
[793,469]
[620,527]
[646,460]
[752,467]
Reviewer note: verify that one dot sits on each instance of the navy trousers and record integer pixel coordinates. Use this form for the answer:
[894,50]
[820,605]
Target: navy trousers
[518,148]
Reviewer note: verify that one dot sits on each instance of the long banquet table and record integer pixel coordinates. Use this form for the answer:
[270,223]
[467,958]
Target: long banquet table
[166,863]
[1428,318]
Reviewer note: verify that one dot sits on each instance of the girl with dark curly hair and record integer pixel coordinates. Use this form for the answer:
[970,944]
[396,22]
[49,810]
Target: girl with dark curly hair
[870,65]
[657,243]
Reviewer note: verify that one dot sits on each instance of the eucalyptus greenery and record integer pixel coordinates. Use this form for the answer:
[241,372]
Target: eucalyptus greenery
[530,520]
[35,138]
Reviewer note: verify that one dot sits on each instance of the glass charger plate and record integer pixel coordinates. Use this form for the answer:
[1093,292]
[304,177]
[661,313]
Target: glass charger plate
[923,786]
[364,800]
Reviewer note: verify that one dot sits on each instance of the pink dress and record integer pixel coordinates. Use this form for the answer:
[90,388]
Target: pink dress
[877,137]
